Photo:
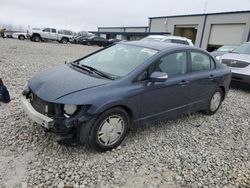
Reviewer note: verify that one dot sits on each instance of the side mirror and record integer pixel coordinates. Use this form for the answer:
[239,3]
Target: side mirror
[158,77]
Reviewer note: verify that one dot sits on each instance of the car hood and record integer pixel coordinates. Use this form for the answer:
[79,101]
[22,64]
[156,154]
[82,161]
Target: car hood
[60,81]
[239,57]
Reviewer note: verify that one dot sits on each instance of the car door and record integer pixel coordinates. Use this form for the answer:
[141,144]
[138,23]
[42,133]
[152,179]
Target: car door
[45,33]
[203,78]
[168,98]
[53,34]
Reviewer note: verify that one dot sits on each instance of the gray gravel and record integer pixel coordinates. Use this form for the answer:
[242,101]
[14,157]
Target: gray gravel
[195,151]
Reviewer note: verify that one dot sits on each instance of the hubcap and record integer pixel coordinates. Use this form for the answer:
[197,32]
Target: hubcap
[215,101]
[111,130]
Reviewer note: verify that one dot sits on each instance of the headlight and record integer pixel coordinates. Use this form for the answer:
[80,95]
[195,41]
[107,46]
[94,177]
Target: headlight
[70,109]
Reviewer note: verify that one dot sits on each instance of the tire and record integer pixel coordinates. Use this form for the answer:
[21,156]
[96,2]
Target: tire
[214,102]
[64,41]
[36,38]
[100,135]
[21,37]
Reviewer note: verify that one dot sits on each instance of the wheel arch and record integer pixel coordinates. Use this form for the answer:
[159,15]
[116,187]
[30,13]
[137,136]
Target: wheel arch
[65,38]
[223,92]
[122,106]
[34,34]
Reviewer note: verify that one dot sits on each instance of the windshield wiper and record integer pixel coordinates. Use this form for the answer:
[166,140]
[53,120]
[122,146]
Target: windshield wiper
[80,67]
[100,73]
[92,70]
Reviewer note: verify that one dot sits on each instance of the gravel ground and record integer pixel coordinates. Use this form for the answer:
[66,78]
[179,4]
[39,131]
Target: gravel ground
[195,151]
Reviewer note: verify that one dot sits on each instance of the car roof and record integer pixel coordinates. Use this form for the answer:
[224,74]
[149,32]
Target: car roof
[167,37]
[159,46]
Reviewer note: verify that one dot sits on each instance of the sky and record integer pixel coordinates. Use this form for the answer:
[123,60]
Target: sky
[79,15]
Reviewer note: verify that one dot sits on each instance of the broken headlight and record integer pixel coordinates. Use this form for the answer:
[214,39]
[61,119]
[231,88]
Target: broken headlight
[69,109]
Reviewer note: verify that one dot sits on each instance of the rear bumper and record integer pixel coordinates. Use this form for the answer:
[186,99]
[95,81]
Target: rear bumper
[35,116]
[241,78]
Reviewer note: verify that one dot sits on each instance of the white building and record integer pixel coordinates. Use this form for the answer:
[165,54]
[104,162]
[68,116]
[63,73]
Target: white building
[207,31]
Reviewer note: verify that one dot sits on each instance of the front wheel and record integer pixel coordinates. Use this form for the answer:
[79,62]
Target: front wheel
[108,131]
[64,41]
[215,102]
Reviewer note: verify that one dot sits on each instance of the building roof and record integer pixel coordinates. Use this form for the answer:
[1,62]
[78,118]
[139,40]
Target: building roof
[130,33]
[122,27]
[202,14]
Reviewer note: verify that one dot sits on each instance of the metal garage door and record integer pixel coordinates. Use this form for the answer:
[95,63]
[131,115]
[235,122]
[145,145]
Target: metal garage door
[226,34]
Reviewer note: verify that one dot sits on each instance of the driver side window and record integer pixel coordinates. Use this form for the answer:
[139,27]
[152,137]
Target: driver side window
[172,64]
[46,30]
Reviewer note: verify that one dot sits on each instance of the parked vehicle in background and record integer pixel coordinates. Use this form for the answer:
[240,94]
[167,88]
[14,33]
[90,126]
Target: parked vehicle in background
[46,34]
[239,62]
[8,34]
[80,37]
[97,98]
[77,39]
[2,32]
[95,40]
[20,35]
[169,39]
[65,32]
[223,50]
[112,41]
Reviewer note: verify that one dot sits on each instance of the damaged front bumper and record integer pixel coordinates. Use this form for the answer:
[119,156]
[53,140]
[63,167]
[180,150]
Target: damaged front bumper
[39,118]
[58,124]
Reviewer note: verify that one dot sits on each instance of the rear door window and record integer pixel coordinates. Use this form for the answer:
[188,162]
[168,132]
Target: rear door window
[201,62]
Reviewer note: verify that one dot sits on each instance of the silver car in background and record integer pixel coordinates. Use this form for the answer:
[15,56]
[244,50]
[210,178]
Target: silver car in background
[169,39]
[239,62]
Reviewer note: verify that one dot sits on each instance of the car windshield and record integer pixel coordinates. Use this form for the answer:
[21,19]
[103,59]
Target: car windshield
[226,48]
[243,49]
[118,60]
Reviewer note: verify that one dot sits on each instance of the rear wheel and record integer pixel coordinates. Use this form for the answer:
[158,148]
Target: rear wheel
[107,132]
[21,37]
[215,102]
[36,38]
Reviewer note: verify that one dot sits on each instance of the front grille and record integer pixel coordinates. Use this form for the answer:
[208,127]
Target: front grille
[235,63]
[40,105]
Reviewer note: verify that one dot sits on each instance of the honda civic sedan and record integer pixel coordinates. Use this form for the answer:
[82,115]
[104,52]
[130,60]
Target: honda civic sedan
[98,98]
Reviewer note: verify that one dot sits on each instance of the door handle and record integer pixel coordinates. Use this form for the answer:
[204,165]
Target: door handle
[211,77]
[184,82]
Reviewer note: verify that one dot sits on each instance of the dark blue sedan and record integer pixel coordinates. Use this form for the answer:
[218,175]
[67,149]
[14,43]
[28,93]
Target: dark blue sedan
[96,99]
